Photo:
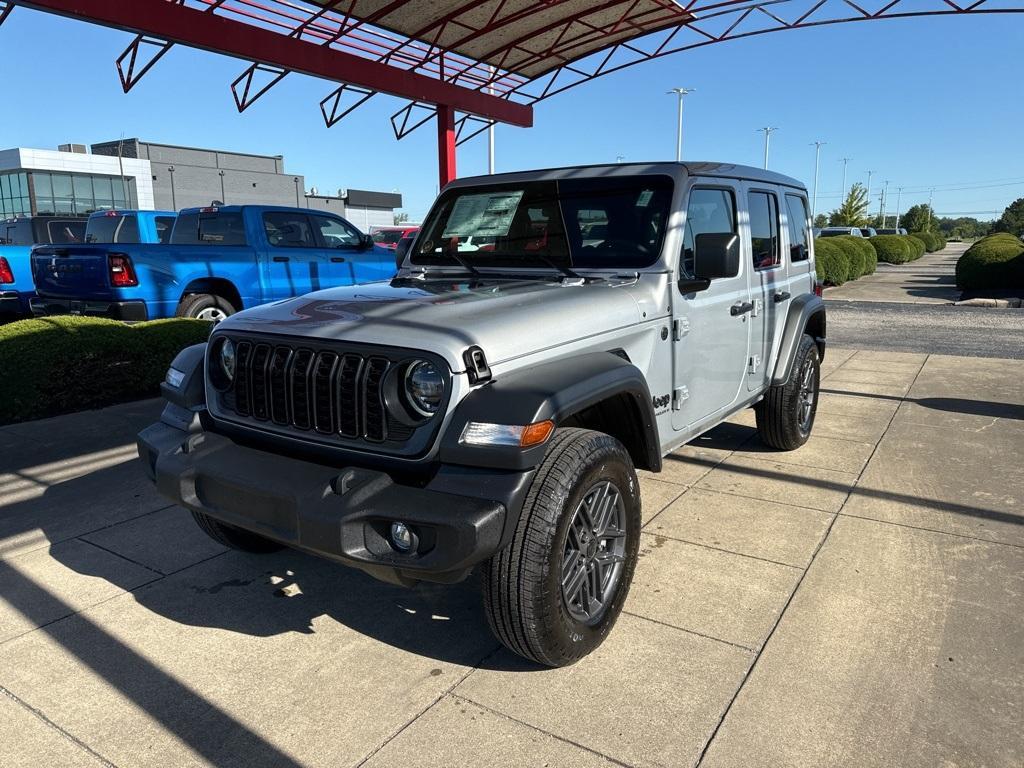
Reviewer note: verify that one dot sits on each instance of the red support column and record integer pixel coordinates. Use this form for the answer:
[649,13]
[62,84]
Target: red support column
[445,143]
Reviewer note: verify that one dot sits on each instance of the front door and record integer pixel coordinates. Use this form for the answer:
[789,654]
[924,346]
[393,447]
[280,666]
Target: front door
[711,334]
[294,259]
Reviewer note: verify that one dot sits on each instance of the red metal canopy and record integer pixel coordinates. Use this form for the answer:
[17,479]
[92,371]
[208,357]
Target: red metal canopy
[487,60]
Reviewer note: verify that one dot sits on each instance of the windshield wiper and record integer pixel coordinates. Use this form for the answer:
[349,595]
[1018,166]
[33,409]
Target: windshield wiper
[453,254]
[555,265]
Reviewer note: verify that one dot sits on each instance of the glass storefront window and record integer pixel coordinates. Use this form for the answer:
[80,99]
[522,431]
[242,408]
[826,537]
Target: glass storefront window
[14,198]
[84,202]
[103,187]
[62,193]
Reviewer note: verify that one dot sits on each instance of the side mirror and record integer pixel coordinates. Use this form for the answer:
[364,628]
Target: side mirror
[717,254]
[401,250]
[366,241]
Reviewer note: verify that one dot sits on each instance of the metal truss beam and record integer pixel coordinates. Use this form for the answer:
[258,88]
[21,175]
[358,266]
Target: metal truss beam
[174,23]
[5,10]
[247,97]
[127,63]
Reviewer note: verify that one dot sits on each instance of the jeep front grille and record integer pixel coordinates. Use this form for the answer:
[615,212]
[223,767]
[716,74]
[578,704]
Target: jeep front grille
[331,393]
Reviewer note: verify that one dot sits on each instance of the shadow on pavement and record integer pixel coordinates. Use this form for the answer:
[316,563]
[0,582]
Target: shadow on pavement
[949,404]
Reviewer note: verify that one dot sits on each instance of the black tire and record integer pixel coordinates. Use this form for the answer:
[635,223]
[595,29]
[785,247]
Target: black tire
[204,306]
[235,538]
[522,584]
[783,420]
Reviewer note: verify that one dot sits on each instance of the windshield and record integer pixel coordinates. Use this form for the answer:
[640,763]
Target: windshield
[600,223]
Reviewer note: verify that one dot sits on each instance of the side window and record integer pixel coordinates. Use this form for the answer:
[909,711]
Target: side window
[288,230]
[763,209]
[337,233]
[708,211]
[164,225]
[796,208]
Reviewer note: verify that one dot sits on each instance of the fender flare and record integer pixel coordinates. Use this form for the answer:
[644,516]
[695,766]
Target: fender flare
[806,315]
[555,391]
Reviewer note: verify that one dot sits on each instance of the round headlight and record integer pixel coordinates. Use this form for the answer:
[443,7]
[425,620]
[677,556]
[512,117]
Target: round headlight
[424,386]
[227,359]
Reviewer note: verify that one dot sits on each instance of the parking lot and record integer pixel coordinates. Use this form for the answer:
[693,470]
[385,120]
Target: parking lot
[854,602]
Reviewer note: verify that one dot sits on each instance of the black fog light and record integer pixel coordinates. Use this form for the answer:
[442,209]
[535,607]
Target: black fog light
[403,539]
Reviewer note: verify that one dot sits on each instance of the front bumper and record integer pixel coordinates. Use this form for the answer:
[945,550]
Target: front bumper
[462,515]
[132,311]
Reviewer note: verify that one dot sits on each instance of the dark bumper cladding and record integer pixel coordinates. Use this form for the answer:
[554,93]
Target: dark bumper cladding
[132,311]
[10,303]
[343,514]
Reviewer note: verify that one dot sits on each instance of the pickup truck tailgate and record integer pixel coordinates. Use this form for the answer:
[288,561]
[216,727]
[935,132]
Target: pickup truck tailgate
[81,271]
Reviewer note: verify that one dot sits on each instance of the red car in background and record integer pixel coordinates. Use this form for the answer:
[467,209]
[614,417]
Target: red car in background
[388,237]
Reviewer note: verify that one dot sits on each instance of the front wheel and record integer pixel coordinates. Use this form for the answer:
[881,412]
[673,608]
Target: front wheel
[786,415]
[554,593]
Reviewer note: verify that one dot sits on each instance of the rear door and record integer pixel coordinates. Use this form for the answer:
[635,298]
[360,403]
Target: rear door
[710,337]
[294,262]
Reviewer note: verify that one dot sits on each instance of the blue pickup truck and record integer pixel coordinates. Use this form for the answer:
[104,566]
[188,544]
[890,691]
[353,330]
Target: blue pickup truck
[17,236]
[219,260]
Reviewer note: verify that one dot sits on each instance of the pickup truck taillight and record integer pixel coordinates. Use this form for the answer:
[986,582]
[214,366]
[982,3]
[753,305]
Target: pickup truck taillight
[6,275]
[122,273]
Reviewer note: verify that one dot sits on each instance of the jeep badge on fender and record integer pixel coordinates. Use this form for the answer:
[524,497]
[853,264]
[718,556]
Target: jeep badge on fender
[488,406]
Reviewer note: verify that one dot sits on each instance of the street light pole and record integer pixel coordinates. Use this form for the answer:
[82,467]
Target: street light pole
[881,207]
[174,202]
[680,92]
[817,154]
[931,195]
[296,180]
[845,161]
[768,130]
[869,191]
[899,198]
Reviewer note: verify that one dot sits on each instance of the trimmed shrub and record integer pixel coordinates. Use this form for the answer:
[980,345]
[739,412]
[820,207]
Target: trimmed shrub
[870,256]
[932,241]
[892,249]
[58,365]
[996,261]
[917,245]
[830,262]
[854,254]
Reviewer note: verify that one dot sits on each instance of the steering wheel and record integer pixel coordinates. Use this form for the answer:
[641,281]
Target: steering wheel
[626,246]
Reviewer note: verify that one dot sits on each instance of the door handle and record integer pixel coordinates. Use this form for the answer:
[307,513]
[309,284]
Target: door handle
[281,259]
[781,296]
[337,259]
[741,308]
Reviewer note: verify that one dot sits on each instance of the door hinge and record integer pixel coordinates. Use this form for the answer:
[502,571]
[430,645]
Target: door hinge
[679,394]
[680,327]
[758,306]
[754,363]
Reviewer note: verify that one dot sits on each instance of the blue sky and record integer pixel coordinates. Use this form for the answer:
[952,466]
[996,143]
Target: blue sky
[922,102]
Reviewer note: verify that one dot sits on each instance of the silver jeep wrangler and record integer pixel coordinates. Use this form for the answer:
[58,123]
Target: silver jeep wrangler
[547,334]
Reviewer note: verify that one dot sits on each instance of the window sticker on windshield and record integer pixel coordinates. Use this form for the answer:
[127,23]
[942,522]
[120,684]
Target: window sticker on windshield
[645,198]
[488,215]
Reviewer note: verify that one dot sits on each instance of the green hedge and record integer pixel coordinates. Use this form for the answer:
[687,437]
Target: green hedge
[932,240]
[61,364]
[996,261]
[917,245]
[830,262]
[892,249]
[854,254]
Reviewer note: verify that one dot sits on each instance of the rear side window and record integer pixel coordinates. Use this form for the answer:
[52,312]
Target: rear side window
[66,232]
[113,229]
[796,209]
[288,230]
[219,228]
[710,211]
[763,209]
[164,225]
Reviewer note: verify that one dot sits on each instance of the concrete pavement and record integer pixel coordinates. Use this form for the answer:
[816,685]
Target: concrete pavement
[929,280]
[854,602]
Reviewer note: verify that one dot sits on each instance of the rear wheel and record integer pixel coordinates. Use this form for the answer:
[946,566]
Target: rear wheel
[205,306]
[554,593]
[786,415]
[235,538]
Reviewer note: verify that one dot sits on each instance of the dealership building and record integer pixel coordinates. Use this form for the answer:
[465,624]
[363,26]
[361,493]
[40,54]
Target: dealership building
[138,174]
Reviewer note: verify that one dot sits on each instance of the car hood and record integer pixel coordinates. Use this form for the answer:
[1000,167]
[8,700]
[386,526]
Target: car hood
[505,318]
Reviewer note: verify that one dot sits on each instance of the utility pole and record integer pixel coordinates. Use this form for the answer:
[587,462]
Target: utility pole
[931,194]
[899,197]
[680,92]
[868,197]
[817,153]
[845,161]
[881,207]
[768,130]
